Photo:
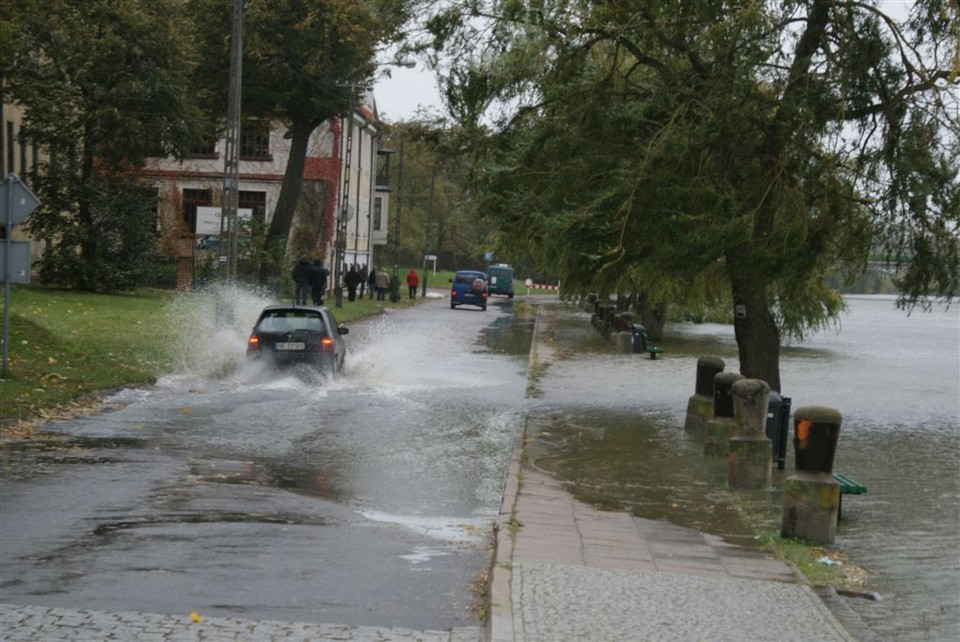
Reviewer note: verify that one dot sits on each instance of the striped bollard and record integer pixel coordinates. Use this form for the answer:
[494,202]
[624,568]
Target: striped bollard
[811,497]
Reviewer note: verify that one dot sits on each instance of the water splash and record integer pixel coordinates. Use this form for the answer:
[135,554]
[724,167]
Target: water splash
[211,325]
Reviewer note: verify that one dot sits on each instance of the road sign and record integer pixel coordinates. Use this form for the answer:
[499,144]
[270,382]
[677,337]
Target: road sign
[19,262]
[429,257]
[16,199]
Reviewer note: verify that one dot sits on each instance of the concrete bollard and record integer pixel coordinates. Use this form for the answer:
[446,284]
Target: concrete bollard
[749,454]
[623,321]
[622,341]
[700,405]
[605,322]
[811,497]
[720,427]
[590,305]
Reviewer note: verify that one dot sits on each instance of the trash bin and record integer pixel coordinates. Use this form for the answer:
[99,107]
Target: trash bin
[778,426]
[639,338]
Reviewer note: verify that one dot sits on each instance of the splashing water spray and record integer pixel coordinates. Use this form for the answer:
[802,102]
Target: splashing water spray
[211,325]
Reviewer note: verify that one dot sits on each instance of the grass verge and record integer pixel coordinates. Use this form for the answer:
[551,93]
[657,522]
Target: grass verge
[66,345]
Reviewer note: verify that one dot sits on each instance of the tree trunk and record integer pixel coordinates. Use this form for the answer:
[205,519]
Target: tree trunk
[275,242]
[758,338]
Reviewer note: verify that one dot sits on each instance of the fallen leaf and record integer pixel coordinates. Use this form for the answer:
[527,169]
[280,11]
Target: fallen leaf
[195,617]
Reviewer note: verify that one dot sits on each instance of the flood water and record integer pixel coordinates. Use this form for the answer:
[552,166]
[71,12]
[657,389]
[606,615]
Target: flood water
[612,426]
[236,491]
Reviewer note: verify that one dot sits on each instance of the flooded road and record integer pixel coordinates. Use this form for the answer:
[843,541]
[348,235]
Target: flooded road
[365,500]
[612,426]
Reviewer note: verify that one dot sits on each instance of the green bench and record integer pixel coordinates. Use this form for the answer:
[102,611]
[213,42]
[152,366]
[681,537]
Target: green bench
[653,351]
[847,487]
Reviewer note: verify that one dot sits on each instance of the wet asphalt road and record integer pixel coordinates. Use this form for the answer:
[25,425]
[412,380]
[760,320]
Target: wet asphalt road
[364,501]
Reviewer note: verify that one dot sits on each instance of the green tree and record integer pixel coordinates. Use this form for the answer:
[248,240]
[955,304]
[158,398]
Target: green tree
[652,147]
[305,62]
[438,212]
[103,84]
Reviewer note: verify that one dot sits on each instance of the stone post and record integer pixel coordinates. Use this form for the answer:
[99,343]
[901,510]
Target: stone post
[811,497]
[750,451]
[622,342]
[622,336]
[720,427]
[700,405]
[590,305]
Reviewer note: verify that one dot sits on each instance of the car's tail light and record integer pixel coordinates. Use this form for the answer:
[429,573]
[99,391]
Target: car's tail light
[453,293]
[253,343]
[326,344]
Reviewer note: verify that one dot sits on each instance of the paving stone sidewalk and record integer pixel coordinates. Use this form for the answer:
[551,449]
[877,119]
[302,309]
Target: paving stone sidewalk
[43,624]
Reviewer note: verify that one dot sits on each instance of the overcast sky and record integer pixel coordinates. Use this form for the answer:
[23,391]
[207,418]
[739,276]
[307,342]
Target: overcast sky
[399,97]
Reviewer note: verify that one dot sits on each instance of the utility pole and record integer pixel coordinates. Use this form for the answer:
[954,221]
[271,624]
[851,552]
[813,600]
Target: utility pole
[343,213]
[231,156]
[395,290]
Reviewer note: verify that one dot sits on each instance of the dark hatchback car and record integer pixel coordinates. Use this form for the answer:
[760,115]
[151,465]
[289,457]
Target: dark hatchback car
[298,335]
[470,288]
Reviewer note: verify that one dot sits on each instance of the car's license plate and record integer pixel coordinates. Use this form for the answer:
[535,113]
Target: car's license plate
[286,346]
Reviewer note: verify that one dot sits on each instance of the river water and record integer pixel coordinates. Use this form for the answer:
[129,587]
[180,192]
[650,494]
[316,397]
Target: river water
[612,428]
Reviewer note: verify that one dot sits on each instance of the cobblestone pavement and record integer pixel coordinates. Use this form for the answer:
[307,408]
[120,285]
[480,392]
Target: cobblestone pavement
[36,624]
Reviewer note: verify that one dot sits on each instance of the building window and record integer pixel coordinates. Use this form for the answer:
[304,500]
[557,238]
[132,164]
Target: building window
[378,214]
[192,199]
[10,147]
[256,201]
[23,158]
[255,140]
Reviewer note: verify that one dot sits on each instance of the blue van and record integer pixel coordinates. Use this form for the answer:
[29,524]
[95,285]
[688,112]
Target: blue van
[469,287]
[500,277]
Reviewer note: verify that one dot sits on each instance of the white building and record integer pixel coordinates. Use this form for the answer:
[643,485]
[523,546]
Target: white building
[331,175]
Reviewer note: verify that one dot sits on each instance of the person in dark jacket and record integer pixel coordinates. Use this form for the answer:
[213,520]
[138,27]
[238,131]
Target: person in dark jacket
[352,279]
[372,281]
[301,281]
[318,281]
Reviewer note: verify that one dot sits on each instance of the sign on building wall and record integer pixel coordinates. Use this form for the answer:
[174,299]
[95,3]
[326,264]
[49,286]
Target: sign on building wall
[208,219]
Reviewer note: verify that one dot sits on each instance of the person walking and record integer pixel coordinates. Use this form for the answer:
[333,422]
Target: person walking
[372,281]
[383,282]
[301,281]
[318,281]
[352,280]
[412,282]
[363,278]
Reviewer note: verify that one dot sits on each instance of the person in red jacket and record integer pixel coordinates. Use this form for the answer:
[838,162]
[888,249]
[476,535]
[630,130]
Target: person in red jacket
[412,282]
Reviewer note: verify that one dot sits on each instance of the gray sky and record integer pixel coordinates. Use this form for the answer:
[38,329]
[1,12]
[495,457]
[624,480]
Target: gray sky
[399,96]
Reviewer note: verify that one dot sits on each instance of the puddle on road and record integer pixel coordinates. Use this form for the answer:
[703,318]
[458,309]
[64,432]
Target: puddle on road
[630,463]
[511,334]
[25,459]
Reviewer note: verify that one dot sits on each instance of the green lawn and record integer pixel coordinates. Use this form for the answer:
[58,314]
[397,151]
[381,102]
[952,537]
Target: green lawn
[65,345]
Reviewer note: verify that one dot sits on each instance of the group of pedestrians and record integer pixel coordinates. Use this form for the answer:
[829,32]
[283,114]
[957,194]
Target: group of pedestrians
[311,279]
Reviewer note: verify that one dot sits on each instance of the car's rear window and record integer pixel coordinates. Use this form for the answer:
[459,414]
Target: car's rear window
[467,279]
[287,320]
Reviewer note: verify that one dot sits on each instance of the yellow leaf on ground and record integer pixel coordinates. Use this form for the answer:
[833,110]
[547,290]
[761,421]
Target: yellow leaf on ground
[195,617]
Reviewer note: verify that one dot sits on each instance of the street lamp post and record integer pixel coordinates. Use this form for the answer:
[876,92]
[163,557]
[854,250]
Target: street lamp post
[395,289]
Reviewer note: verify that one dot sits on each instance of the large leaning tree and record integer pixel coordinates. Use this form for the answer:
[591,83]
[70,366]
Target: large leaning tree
[104,83]
[304,62]
[658,146]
